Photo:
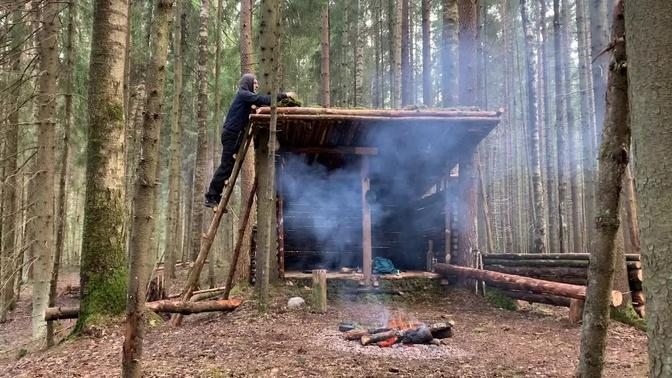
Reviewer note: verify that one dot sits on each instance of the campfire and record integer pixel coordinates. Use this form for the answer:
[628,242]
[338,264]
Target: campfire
[399,328]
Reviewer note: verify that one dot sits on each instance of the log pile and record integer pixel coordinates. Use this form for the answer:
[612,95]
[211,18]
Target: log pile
[568,268]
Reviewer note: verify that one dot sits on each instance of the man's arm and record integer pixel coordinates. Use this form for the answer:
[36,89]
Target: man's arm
[261,100]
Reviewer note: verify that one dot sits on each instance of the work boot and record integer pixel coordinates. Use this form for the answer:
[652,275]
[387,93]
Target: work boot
[211,202]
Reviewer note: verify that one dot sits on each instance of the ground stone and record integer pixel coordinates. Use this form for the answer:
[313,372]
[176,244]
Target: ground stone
[295,302]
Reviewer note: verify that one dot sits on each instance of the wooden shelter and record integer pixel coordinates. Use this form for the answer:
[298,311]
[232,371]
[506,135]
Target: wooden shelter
[354,184]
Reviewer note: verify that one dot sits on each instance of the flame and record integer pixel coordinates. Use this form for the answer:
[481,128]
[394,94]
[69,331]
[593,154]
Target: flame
[401,321]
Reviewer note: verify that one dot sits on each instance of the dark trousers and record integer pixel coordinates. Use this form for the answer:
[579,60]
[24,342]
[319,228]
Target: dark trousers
[230,143]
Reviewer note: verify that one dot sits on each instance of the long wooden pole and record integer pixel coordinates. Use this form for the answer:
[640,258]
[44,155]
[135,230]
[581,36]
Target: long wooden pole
[523,283]
[366,221]
[209,236]
[239,240]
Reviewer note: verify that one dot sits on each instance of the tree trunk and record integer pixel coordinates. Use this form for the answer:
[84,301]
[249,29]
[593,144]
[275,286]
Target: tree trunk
[103,270]
[395,58]
[268,40]
[324,68]
[599,40]
[10,218]
[246,54]
[359,42]
[142,231]
[449,57]
[613,160]
[42,211]
[406,90]
[426,55]
[589,158]
[175,160]
[202,138]
[650,79]
[468,43]
[65,162]
[573,152]
[247,173]
[533,130]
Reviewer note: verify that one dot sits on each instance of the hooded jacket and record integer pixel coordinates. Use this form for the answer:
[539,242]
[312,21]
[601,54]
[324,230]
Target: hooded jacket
[241,107]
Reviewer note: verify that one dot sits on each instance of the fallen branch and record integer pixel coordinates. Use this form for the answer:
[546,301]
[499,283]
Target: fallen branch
[177,307]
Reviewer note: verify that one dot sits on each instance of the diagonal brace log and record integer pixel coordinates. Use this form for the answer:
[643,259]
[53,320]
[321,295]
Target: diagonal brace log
[208,238]
[239,241]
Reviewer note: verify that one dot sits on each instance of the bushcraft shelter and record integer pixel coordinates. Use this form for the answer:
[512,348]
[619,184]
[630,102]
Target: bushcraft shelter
[356,184]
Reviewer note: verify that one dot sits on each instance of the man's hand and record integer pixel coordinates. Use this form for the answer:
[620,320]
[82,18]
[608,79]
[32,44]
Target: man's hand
[291,95]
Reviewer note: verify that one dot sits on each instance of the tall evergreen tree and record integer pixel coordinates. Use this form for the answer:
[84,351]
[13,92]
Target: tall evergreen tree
[104,272]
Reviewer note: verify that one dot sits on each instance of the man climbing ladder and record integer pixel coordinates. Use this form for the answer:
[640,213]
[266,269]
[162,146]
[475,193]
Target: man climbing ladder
[232,132]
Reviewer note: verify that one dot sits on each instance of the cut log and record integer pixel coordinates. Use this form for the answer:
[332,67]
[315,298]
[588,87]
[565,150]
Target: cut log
[180,307]
[372,339]
[552,300]
[356,334]
[550,256]
[559,272]
[320,290]
[635,275]
[441,330]
[638,297]
[523,283]
[55,313]
[576,310]
[539,263]
[213,290]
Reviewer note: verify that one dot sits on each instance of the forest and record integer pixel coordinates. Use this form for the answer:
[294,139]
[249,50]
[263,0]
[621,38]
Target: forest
[474,188]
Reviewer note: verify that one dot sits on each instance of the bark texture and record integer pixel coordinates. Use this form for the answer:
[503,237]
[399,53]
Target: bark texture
[533,132]
[143,224]
[614,154]
[103,270]
[650,57]
[42,211]
[449,48]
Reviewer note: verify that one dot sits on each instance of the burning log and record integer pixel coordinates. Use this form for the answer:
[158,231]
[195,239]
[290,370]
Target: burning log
[356,334]
[441,330]
[523,283]
[420,335]
[371,339]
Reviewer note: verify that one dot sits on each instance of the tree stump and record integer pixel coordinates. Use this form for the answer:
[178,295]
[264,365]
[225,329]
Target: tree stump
[575,310]
[320,290]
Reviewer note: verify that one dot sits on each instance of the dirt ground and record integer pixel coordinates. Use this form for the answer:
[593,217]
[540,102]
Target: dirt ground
[535,341]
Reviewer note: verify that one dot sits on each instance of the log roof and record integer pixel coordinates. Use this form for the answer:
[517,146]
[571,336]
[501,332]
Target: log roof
[418,145]
[304,127]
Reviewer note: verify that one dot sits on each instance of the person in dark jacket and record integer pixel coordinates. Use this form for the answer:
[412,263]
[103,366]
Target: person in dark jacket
[232,132]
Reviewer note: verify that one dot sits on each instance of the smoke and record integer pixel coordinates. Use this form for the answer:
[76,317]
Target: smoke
[322,198]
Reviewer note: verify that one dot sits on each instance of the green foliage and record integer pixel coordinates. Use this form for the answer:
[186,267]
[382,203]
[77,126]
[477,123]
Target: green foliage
[501,300]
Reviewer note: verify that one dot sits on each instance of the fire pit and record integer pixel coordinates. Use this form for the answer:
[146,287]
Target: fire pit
[399,328]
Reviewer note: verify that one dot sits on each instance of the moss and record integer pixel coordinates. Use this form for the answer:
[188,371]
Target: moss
[114,112]
[105,297]
[627,315]
[501,300]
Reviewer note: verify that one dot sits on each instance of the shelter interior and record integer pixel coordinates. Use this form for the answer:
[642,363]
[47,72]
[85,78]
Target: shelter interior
[356,184]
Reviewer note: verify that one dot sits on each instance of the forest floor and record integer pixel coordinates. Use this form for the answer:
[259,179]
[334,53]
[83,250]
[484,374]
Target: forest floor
[534,341]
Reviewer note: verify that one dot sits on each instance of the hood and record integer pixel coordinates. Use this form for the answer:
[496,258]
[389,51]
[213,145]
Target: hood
[247,82]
